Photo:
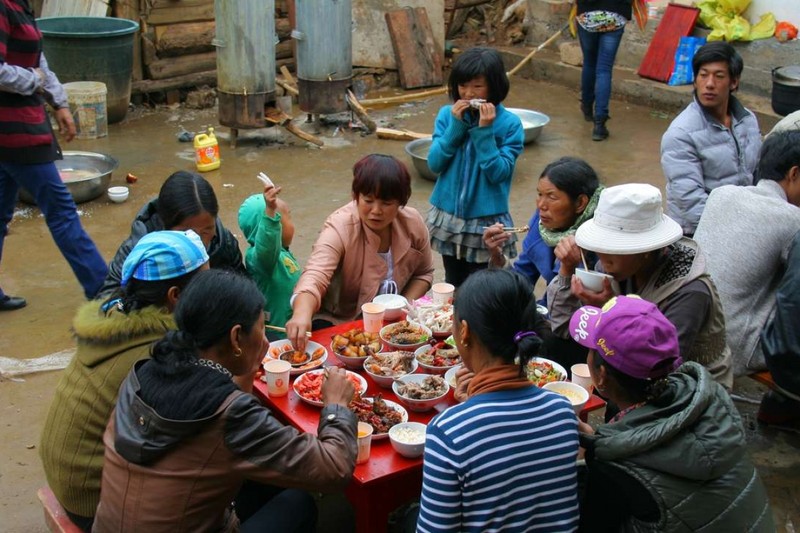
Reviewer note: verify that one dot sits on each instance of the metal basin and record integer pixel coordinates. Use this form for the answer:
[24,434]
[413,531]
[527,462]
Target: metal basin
[418,151]
[533,122]
[86,175]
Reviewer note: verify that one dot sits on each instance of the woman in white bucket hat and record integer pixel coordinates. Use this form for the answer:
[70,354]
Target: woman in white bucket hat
[645,253]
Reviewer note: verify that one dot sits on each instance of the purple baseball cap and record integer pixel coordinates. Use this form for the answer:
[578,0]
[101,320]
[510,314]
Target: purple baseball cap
[630,334]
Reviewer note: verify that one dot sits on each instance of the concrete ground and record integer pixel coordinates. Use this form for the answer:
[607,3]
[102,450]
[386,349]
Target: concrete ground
[315,182]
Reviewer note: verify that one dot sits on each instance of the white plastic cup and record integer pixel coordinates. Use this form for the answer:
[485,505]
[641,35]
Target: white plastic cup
[582,377]
[364,442]
[277,374]
[443,293]
[372,315]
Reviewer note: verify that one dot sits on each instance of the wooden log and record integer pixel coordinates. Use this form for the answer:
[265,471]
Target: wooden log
[360,112]
[190,80]
[148,49]
[184,39]
[388,100]
[178,66]
[287,75]
[278,117]
[181,12]
[289,62]
[287,87]
[400,135]
[284,50]
[160,4]
[283,28]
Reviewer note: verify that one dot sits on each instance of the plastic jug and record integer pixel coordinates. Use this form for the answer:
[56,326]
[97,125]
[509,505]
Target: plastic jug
[206,151]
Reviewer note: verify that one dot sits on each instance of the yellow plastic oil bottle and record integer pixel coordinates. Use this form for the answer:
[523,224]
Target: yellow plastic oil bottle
[206,151]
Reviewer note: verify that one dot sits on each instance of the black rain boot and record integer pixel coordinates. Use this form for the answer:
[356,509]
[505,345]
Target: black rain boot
[600,132]
[588,114]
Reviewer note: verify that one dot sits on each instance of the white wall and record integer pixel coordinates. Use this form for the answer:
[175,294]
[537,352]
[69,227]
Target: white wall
[788,10]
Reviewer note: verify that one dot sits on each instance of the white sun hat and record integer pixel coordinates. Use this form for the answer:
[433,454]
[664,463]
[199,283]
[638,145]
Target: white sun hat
[628,220]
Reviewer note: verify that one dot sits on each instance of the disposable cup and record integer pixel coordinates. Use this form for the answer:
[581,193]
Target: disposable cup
[442,293]
[364,442]
[581,376]
[277,374]
[372,315]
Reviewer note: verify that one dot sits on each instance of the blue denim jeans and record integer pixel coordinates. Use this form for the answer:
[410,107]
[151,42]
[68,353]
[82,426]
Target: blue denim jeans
[60,213]
[599,52]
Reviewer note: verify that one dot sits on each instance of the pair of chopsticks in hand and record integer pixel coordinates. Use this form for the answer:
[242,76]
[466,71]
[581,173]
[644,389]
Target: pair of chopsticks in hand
[278,328]
[265,180]
[521,229]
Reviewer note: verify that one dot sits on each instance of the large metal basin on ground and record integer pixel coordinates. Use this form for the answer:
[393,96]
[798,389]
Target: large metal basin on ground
[86,175]
[418,151]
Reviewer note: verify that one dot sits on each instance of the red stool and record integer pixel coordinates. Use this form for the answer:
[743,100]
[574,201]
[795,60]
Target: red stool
[54,515]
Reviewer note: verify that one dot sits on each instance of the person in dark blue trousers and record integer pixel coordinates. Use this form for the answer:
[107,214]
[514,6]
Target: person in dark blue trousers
[28,146]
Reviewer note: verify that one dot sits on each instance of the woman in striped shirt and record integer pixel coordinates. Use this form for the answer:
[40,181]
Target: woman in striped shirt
[505,458]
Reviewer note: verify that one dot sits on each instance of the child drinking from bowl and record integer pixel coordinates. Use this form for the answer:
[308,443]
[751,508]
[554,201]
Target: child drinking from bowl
[476,142]
[266,223]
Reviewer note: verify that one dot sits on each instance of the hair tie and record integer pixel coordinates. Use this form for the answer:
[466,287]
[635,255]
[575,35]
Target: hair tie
[522,334]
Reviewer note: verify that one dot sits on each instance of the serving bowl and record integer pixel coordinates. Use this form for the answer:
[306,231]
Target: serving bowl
[418,405]
[386,332]
[354,362]
[533,122]
[386,381]
[395,305]
[118,194]
[577,395]
[312,380]
[418,151]
[450,375]
[541,371]
[276,348]
[593,280]
[402,438]
[86,175]
[434,369]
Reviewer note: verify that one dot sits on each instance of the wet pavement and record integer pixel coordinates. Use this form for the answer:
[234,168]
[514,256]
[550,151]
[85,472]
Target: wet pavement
[315,182]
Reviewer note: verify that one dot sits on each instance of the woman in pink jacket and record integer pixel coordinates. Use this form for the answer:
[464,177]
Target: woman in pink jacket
[373,245]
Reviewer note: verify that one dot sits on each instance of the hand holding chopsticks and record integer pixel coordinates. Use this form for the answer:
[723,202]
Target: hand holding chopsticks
[521,229]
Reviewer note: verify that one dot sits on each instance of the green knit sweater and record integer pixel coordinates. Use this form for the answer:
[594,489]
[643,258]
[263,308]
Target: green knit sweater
[72,440]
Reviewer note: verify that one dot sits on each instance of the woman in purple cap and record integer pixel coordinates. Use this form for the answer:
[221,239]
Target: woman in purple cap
[111,337]
[674,458]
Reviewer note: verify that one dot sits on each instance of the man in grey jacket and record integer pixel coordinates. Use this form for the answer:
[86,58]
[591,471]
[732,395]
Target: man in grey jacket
[746,234]
[713,142]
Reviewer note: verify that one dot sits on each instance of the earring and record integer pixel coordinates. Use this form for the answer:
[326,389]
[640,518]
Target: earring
[237,352]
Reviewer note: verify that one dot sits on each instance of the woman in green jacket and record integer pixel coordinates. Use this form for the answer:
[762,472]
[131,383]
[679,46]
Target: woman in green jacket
[111,337]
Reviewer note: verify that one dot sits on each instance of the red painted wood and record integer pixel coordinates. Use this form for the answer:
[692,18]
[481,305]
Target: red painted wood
[54,515]
[659,61]
[388,480]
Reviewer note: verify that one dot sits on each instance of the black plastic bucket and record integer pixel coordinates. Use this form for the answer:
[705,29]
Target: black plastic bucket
[786,89]
[92,49]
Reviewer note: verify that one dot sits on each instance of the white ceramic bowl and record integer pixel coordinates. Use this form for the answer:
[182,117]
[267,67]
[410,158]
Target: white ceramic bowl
[431,369]
[278,347]
[450,375]
[311,374]
[352,363]
[577,395]
[118,194]
[386,381]
[419,406]
[592,280]
[412,450]
[406,347]
[395,305]
[560,370]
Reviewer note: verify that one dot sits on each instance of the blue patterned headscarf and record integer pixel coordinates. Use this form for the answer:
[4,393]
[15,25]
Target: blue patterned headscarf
[164,255]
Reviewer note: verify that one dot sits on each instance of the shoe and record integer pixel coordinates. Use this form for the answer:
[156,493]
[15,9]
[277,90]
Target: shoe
[588,114]
[777,409]
[600,132]
[12,303]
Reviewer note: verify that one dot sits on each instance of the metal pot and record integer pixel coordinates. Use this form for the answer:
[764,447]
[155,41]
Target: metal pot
[533,122]
[786,89]
[418,150]
[87,188]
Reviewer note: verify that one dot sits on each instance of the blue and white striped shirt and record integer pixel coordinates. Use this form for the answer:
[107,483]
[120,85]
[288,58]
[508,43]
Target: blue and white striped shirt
[502,461]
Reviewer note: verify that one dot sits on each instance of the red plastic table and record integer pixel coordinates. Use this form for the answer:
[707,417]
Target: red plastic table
[388,480]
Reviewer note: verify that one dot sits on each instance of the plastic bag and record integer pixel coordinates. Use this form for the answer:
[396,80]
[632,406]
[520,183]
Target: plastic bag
[785,31]
[725,19]
[682,74]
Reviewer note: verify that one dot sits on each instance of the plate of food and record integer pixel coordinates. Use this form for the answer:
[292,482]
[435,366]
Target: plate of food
[420,392]
[437,317]
[354,346]
[541,371]
[309,385]
[439,358]
[381,414]
[405,335]
[384,367]
[314,356]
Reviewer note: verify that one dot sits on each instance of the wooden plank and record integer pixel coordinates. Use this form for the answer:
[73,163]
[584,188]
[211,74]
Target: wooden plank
[418,62]
[71,8]
[400,135]
[198,79]
[183,39]
[659,60]
[160,4]
[180,66]
[177,15]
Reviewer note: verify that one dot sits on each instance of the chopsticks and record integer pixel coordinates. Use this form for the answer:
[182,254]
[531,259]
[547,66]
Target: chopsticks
[583,257]
[278,328]
[521,229]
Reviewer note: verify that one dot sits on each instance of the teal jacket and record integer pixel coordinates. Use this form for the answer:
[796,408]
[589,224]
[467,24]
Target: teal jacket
[683,458]
[274,269]
[475,164]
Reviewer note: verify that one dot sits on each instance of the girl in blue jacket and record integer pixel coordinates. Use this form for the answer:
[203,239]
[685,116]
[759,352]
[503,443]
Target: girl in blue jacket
[476,142]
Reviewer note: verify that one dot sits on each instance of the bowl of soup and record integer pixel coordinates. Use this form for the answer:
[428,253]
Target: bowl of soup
[85,174]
